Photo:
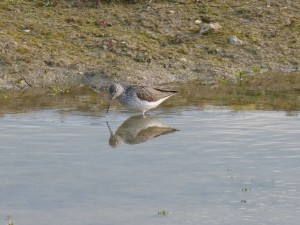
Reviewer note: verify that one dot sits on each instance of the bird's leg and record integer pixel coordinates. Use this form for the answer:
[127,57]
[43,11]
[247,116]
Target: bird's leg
[108,105]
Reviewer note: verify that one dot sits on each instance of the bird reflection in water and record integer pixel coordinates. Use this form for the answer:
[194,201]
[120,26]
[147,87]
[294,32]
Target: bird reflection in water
[138,129]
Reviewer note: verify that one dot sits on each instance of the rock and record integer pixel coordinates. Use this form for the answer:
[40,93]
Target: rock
[104,23]
[235,41]
[171,12]
[184,60]
[198,22]
[210,26]
[26,30]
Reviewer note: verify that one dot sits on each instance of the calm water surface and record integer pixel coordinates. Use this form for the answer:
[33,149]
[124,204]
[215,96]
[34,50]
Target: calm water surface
[203,163]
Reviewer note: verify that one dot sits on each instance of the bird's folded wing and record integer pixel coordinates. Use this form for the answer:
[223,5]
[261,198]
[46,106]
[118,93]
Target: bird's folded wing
[152,94]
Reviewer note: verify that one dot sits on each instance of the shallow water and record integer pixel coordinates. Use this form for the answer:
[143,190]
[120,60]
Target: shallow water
[202,162]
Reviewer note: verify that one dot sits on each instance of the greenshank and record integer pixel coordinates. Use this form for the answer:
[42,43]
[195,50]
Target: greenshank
[138,98]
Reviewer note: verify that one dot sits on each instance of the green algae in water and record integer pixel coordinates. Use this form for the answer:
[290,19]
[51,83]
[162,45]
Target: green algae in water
[163,213]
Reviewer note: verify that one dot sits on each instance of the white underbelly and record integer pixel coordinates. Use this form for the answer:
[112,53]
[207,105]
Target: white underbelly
[140,105]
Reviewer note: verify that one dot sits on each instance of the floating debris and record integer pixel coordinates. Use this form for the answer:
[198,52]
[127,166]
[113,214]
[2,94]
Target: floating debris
[163,213]
[246,189]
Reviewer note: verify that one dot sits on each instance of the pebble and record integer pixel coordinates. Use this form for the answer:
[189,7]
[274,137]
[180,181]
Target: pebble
[184,60]
[210,26]
[235,41]
[198,22]
[26,30]
[171,12]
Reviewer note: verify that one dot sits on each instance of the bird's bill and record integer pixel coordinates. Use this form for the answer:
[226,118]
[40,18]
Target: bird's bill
[109,105]
[110,131]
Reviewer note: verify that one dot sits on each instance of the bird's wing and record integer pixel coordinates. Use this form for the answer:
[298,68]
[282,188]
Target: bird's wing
[151,94]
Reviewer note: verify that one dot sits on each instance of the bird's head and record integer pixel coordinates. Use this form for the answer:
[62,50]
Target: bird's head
[114,91]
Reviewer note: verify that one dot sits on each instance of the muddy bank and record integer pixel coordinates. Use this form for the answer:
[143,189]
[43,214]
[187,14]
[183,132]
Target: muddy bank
[71,43]
[259,92]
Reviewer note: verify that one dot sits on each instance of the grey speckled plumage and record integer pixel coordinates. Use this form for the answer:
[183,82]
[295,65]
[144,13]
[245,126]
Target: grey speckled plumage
[151,94]
[138,98]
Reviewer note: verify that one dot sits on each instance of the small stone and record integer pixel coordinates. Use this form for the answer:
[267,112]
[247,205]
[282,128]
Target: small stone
[211,26]
[235,41]
[171,12]
[184,60]
[26,30]
[198,22]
